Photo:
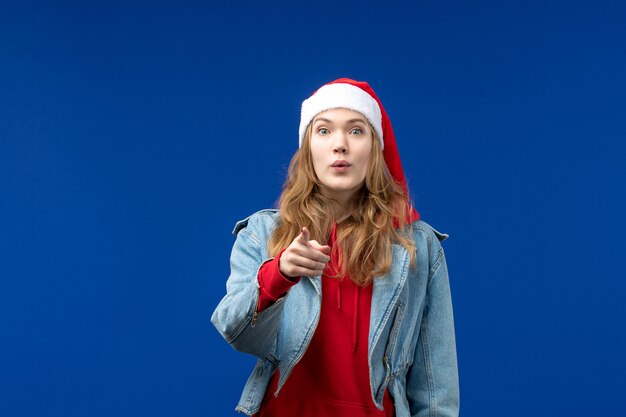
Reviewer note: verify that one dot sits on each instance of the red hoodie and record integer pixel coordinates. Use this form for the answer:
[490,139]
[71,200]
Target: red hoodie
[332,378]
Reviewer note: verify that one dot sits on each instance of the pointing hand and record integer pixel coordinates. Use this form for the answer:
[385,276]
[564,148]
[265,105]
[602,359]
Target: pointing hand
[304,257]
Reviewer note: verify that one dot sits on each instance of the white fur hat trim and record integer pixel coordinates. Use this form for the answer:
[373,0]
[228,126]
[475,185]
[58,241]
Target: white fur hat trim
[341,95]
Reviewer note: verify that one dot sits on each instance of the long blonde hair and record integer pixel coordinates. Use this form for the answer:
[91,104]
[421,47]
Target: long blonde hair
[364,240]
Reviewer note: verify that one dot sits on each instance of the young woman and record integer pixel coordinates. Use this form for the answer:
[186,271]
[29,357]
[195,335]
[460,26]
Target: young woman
[343,293]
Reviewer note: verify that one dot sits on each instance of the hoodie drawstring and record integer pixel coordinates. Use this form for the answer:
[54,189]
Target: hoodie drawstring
[356,318]
[338,294]
[355,312]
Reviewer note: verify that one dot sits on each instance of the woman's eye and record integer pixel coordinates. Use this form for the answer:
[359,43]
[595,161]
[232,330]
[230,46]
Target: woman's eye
[323,131]
[356,131]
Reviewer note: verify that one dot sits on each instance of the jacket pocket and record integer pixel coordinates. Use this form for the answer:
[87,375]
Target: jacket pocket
[393,333]
[390,350]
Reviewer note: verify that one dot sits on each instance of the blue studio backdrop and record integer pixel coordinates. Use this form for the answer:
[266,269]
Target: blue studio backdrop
[134,135]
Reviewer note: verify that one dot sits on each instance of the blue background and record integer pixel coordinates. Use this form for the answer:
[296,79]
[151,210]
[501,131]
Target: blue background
[134,136]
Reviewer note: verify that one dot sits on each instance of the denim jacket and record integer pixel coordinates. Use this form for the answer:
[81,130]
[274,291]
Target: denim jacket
[411,344]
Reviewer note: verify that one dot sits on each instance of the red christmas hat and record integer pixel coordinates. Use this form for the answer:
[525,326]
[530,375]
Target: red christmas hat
[360,97]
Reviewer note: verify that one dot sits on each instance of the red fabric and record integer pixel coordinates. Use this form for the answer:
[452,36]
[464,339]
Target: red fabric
[273,283]
[332,378]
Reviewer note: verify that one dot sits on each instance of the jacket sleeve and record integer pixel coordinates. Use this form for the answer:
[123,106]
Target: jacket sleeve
[432,380]
[236,317]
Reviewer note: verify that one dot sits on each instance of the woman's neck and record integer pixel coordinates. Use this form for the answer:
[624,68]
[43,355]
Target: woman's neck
[342,217]
[342,211]
[341,206]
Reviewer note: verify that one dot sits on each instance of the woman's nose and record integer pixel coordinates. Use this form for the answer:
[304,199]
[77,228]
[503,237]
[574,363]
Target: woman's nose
[340,144]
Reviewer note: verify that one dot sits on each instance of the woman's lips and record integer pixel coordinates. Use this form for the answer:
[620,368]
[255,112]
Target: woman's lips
[340,166]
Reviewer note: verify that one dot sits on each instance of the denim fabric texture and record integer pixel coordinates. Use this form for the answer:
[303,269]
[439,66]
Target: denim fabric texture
[411,345]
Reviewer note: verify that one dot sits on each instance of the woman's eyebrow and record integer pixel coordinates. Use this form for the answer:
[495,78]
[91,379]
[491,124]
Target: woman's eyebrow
[321,119]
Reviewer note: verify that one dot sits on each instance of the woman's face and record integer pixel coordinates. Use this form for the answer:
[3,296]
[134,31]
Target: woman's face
[341,143]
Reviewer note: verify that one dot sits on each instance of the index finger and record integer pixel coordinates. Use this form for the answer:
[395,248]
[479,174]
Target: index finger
[304,235]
